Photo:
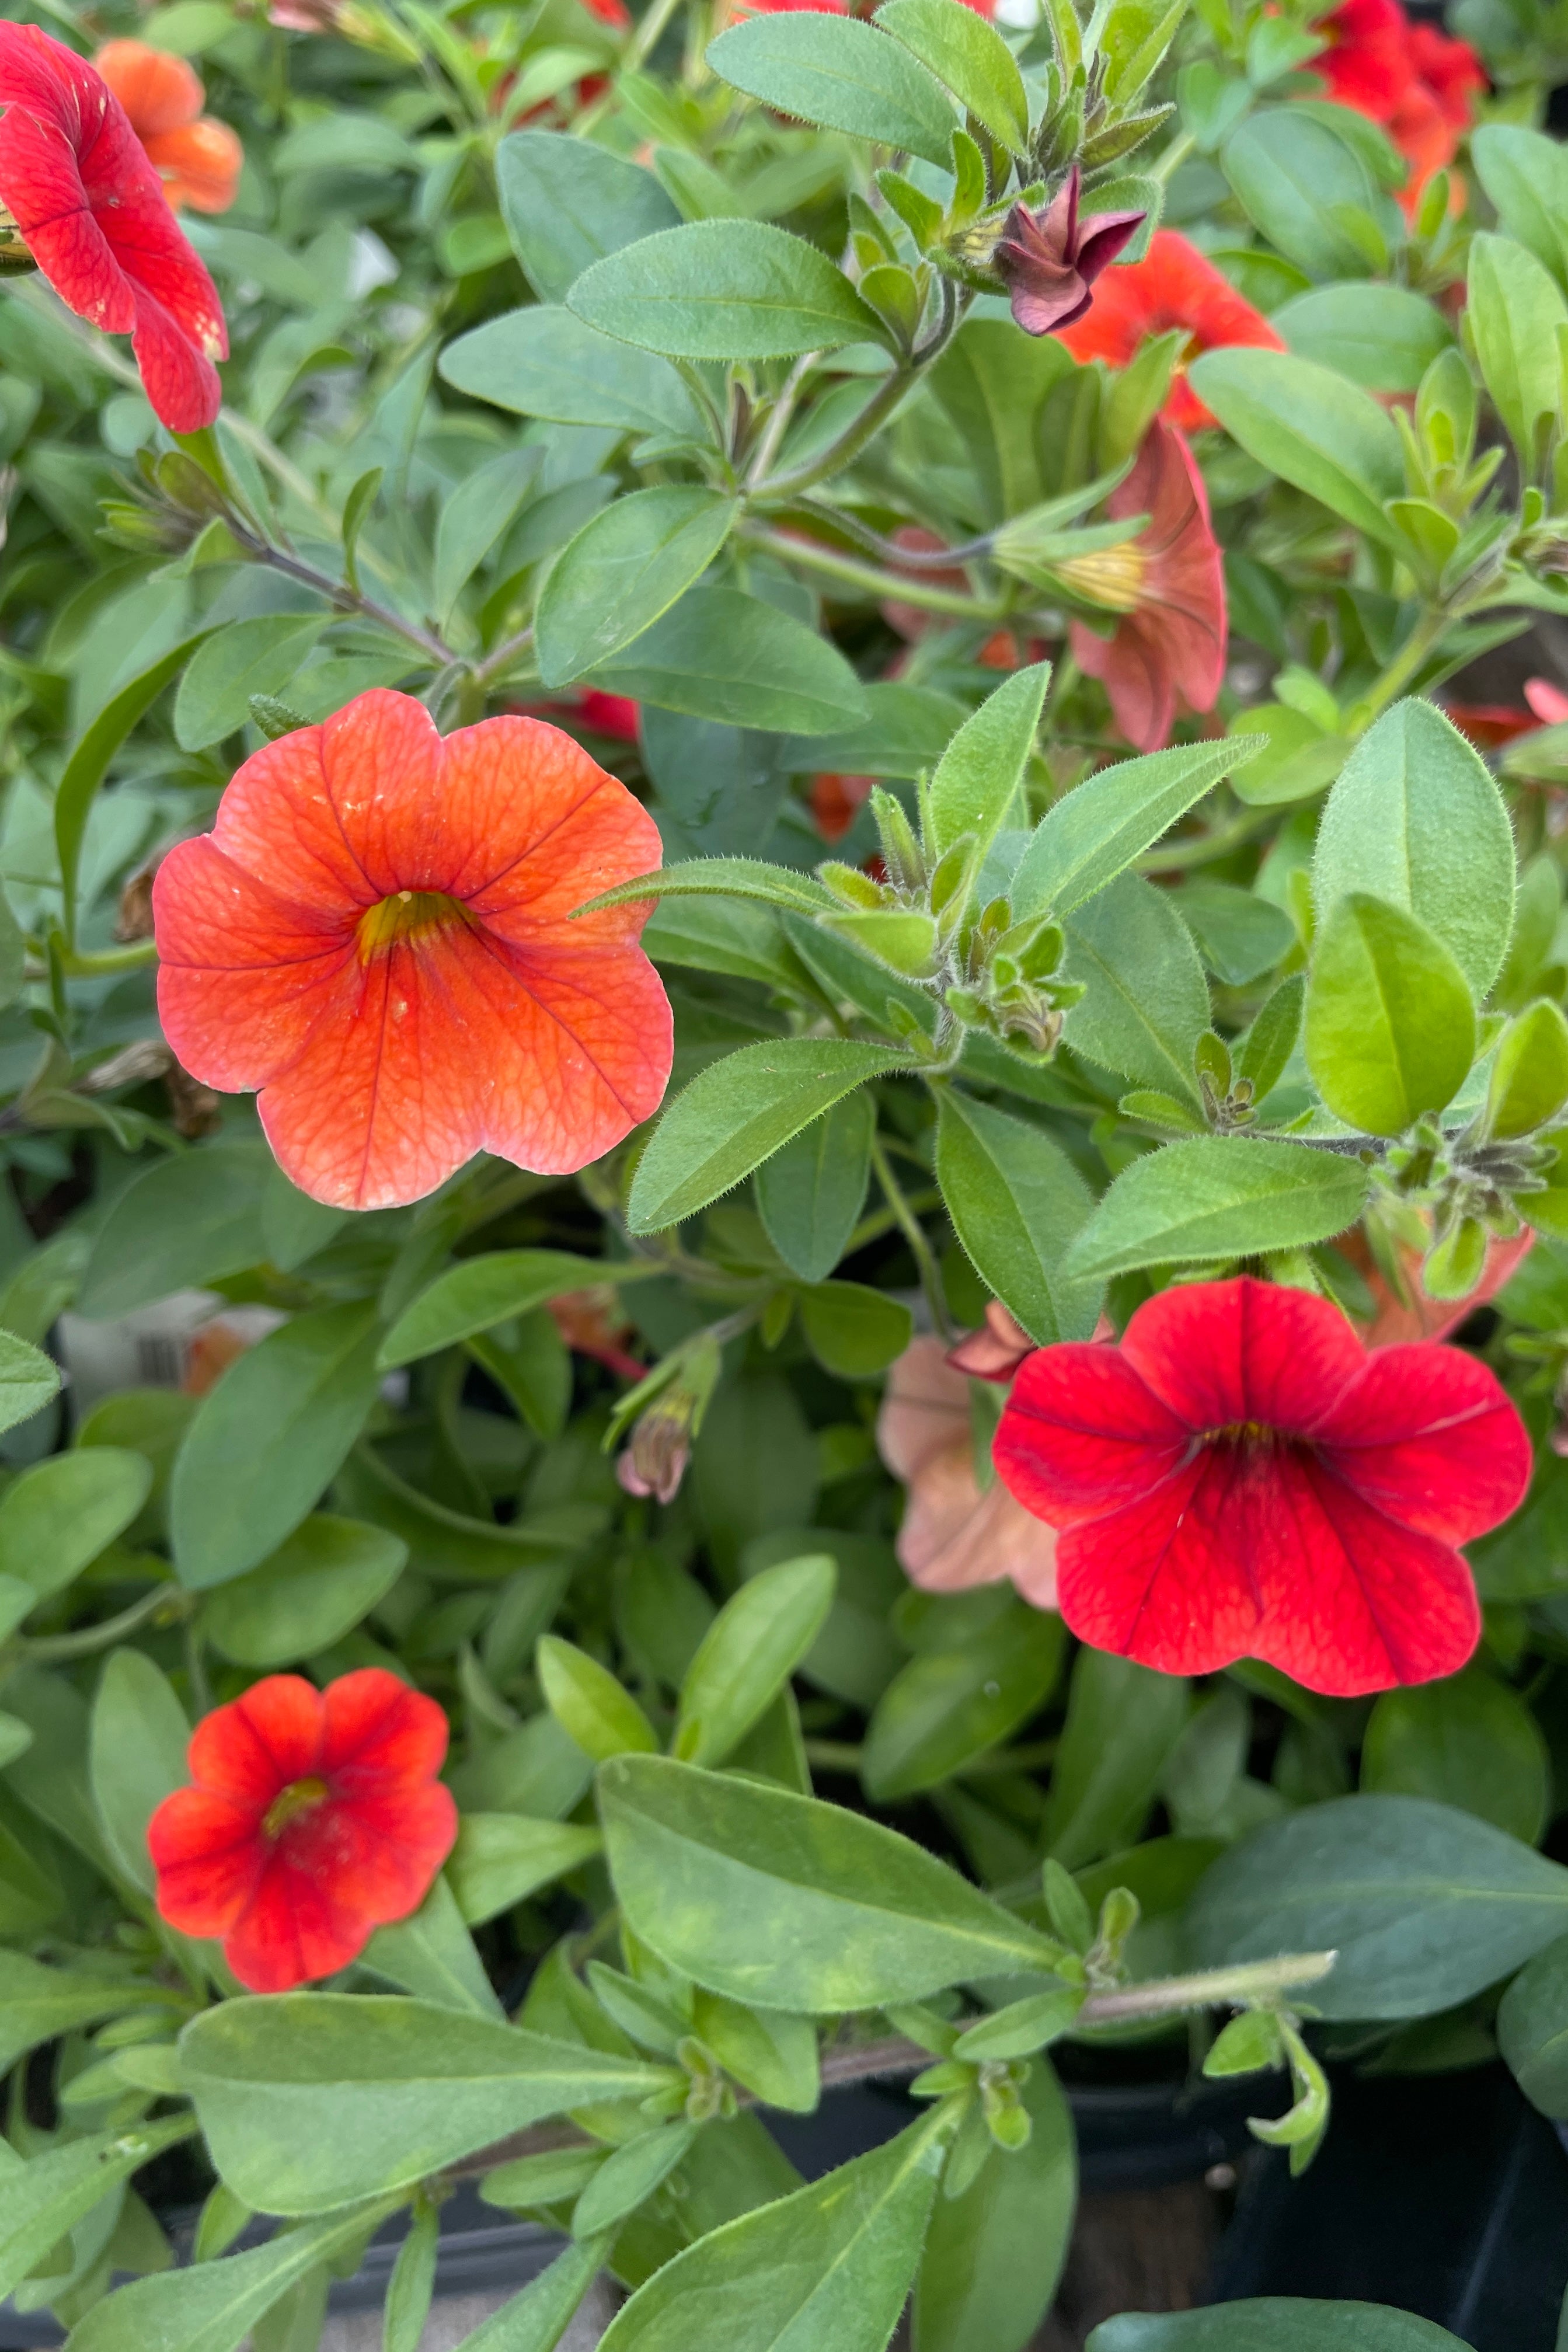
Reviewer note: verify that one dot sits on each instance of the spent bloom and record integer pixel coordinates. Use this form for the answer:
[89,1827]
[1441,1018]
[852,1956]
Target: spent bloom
[198,160]
[1241,1477]
[1418,82]
[1167,651]
[377,934]
[91,210]
[315,1817]
[1049,261]
[1174,289]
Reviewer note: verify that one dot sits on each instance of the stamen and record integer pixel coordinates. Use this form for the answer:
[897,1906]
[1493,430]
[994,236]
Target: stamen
[299,1797]
[406,919]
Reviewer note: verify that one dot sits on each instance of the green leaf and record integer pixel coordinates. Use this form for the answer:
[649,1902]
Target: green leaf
[1532,2029]
[907,730]
[1423,1905]
[536,2320]
[500,1858]
[772,2054]
[89,763]
[1468,1742]
[266,1440]
[180,1225]
[568,202]
[451,1547]
[1240,936]
[1515,309]
[993,2255]
[969,56]
[748,1654]
[981,773]
[261,656]
[45,2198]
[1525,174]
[1390,1028]
[39,2003]
[589,1704]
[1383,338]
[622,571]
[1095,833]
[791,1904]
[853,1329]
[725,291]
[213,2306]
[1308,426]
[479,1292]
[1015,1200]
[630,2176]
[841,75]
[314,1589]
[811,1193]
[737,1111]
[432,1955]
[740,878]
[1416,819]
[1276,2324]
[1296,180]
[723,655]
[545,362]
[1145,1002]
[992,383]
[951,1704]
[485,504]
[1214,1197]
[1123,1721]
[55,1517]
[829,2265]
[27,1381]
[309,2100]
[136,1758]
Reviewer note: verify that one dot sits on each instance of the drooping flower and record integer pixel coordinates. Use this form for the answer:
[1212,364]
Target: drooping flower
[1168,583]
[1240,1477]
[1418,1316]
[1174,288]
[377,935]
[1419,83]
[90,209]
[1049,261]
[315,1817]
[198,159]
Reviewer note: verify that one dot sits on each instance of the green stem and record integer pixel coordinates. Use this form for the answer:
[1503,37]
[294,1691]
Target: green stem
[1258,1980]
[877,411]
[1197,849]
[56,1649]
[346,599]
[79,963]
[811,556]
[833,1756]
[1175,156]
[920,1247]
[498,662]
[1407,662]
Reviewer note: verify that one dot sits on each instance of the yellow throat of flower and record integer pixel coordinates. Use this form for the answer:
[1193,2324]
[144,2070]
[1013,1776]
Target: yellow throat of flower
[406,919]
[1112,576]
[299,1797]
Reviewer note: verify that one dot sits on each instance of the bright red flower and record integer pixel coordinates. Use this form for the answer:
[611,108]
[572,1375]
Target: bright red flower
[90,209]
[377,934]
[315,1818]
[1175,286]
[198,160]
[1168,650]
[1413,79]
[1242,1478]
[1049,261]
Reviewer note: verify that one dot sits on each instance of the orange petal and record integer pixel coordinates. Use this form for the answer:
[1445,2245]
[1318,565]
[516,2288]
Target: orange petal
[322,813]
[534,827]
[199,163]
[158,92]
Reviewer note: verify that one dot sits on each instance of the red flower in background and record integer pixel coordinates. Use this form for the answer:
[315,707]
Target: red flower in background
[1168,649]
[315,1818]
[198,160]
[1416,82]
[377,934]
[91,210]
[1242,1478]
[1049,261]
[1175,286]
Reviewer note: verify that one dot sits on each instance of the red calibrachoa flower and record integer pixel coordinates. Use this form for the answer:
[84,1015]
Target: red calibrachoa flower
[1049,261]
[315,1818]
[1168,650]
[377,935]
[1240,1477]
[198,160]
[1175,286]
[1413,79]
[91,210]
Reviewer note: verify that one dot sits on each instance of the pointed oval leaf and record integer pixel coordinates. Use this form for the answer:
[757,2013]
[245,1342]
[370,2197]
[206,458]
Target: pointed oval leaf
[725,289]
[840,74]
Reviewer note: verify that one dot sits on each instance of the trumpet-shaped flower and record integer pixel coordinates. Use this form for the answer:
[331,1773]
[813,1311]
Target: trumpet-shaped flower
[377,934]
[1049,261]
[198,160]
[91,210]
[1241,1477]
[1175,287]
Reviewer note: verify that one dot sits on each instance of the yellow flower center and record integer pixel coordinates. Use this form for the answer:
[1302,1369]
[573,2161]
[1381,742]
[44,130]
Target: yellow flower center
[404,918]
[1112,576]
[299,1797]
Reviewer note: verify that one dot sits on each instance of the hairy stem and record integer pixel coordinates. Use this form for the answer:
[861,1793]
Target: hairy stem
[828,561]
[914,1234]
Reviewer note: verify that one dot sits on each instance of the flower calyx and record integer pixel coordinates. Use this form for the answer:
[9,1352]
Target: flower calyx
[1259,2040]
[664,1414]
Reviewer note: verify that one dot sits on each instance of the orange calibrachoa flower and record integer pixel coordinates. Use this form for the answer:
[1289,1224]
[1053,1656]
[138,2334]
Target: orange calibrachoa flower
[315,1818]
[377,935]
[1420,84]
[1175,286]
[1168,650]
[91,211]
[198,159]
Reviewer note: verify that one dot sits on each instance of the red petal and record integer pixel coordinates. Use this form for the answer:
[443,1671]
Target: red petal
[208,1854]
[1132,668]
[298,1926]
[378,1731]
[533,826]
[1225,1352]
[251,1750]
[180,381]
[339,816]
[1081,1433]
[1429,1436]
[1173,1579]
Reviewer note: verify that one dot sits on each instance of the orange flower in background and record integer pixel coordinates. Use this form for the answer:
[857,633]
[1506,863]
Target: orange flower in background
[198,160]
[1413,79]
[1175,286]
[1168,650]
[377,935]
[315,1818]
[90,209]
